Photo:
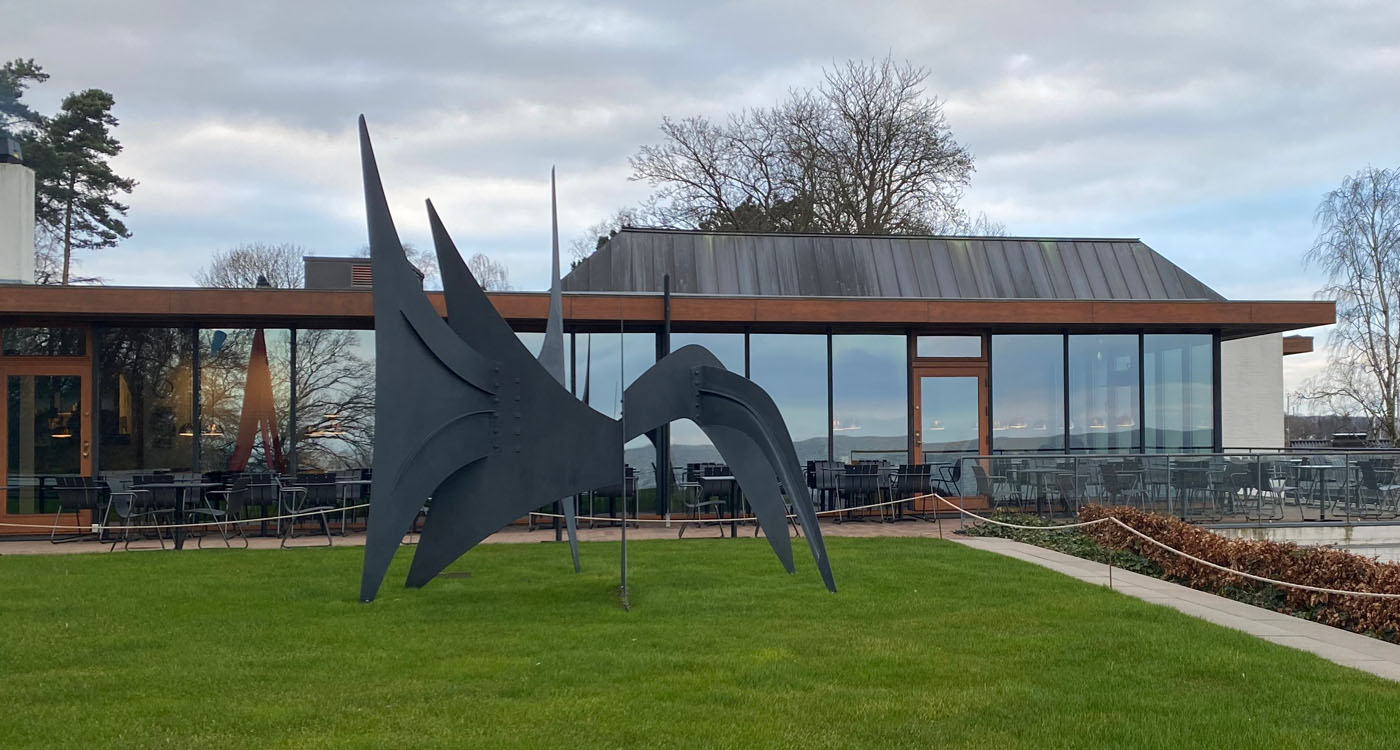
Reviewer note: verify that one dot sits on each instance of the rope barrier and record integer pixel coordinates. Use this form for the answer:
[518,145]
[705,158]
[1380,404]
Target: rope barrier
[736,519]
[1173,550]
[97,527]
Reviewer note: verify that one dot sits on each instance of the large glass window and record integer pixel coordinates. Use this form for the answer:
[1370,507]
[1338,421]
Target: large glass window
[1178,392]
[43,433]
[43,342]
[949,346]
[335,398]
[688,444]
[1028,391]
[244,397]
[608,363]
[870,404]
[1103,393]
[145,415]
[792,369]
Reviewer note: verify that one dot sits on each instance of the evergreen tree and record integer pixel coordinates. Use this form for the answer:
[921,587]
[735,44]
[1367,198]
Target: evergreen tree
[76,189]
[16,76]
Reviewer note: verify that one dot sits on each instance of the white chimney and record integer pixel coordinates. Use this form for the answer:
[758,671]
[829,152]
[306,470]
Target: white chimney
[16,216]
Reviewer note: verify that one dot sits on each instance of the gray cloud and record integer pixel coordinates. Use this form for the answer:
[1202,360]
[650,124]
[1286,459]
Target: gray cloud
[1208,129]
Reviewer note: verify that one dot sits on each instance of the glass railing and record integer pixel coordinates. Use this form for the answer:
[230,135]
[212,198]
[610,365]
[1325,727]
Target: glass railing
[1244,487]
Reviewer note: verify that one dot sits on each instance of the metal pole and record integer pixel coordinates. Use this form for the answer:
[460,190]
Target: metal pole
[292,409]
[663,442]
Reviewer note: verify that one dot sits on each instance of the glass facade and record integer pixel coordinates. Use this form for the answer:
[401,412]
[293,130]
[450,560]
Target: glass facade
[608,363]
[244,398]
[1028,393]
[1112,393]
[1178,408]
[949,346]
[792,369]
[335,399]
[870,402]
[1103,393]
[688,444]
[145,400]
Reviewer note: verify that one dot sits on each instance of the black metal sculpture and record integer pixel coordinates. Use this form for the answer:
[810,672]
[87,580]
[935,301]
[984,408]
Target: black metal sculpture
[466,416]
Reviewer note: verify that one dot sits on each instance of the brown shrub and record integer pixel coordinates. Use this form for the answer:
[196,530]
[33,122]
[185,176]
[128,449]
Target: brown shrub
[1312,566]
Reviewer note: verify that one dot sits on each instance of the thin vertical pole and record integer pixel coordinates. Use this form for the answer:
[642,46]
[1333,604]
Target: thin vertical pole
[663,433]
[830,404]
[196,416]
[622,414]
[292,408]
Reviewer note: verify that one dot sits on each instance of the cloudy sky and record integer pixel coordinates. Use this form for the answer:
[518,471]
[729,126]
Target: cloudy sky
[1208,129]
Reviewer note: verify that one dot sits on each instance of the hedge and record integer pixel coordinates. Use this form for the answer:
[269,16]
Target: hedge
[1313,566]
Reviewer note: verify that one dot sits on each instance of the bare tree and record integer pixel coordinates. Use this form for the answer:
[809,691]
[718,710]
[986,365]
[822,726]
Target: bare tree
[865,152]
[1358,246]
[242,266]
[492,276]
[334,374]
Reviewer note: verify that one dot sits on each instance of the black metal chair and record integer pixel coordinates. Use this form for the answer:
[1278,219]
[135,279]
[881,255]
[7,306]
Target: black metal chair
[234,500]
[696,502]
[137,506]
[861,485]
[910,481]
[312,494]
[75,495]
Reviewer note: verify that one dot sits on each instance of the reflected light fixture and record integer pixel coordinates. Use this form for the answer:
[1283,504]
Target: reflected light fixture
[937,425]
[186,430]
[213,430]
[1097,423]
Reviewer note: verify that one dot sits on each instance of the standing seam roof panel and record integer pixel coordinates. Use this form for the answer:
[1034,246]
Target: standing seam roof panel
[1131,271]
[943,269]
[1150,276]
[1040,275]
[1093,270]
[1059,278]
[962,268]
[982,269]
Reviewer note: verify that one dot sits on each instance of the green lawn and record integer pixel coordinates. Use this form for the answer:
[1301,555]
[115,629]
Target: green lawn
[928,643]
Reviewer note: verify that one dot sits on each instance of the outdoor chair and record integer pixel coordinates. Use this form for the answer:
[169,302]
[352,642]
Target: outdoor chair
[309,497]
[234,501]
[826,481]
[75,495]
[696,503]
[995,487]
[861,486]
[1378,493]
[1122,487]
[913,480]
[127,505]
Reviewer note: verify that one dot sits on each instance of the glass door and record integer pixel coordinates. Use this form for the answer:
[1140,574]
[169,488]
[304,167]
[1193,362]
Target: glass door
[950,412]
[47,436]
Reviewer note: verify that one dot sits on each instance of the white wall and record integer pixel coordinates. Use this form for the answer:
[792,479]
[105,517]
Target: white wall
[16,224]
[1251,392]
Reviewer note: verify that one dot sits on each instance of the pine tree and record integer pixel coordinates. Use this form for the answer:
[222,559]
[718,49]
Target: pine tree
[76,189]
[16,76]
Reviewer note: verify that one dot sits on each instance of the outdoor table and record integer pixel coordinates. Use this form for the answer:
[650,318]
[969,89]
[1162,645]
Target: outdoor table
[183,486]
[342,488]
[1317,480]
[1038,475]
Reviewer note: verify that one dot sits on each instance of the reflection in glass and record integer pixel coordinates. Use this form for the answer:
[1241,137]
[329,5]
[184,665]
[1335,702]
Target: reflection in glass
[244,397]
[949,346]
[1178,392]
[1103,392]
[792,369]
[608,363]
[43,436]
[948,410]
[145,414]
[870,404]
[1028,393]
[43,342]
[688,444]
[534,341]
[335,398]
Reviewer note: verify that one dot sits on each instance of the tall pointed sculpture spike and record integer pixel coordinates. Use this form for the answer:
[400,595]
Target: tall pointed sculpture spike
[552,352]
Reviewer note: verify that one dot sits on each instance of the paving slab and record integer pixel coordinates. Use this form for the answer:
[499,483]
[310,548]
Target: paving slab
[1343,647]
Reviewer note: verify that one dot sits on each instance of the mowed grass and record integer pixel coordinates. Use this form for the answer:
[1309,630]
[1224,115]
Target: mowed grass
[928,643]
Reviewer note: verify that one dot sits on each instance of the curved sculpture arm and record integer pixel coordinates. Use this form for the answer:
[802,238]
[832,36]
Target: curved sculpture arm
[716,397]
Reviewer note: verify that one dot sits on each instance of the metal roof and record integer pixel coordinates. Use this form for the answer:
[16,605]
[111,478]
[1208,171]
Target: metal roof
[829,265]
